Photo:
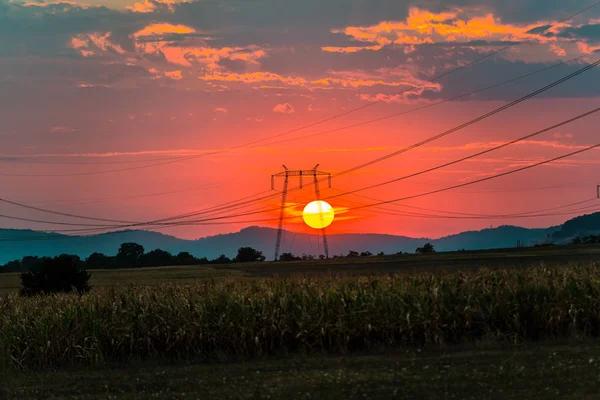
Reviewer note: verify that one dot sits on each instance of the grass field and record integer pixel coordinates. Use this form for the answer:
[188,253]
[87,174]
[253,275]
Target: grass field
[392,264]
[454,325]
[535,371]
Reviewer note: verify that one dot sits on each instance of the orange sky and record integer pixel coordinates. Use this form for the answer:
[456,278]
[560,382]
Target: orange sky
[156,80]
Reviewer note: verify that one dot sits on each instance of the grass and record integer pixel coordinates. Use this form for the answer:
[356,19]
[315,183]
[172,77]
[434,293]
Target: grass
[548,371]
[451,330]
[252,318]
[102,278]
[360,266]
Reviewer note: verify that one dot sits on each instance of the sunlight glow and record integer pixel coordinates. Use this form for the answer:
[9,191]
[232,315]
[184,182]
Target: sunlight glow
[318,214]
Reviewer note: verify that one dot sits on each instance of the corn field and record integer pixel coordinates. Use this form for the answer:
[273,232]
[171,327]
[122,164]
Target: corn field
[242,318]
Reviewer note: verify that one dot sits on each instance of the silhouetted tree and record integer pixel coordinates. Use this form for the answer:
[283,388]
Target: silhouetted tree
[99,260]
[426,249]
[366,254]
[65,273]
[185,258]
[353,253]
[288,257]
[322,256]
[576,240]
[157,258]
[380,254]
[129,254]
[248,254]
[222,259]
[12,266]
[308,257]
[32,263]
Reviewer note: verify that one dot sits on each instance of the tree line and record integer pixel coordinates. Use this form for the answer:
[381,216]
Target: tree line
[133,255]
[591,239]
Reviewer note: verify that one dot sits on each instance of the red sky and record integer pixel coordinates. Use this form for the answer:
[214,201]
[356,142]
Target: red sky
[119,85]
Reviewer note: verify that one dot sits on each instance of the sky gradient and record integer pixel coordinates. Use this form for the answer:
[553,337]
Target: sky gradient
[97,98]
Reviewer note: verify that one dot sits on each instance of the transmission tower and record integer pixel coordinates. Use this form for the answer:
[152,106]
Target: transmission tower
[299,173]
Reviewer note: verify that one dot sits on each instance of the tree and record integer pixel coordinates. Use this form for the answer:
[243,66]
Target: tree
[426,249]
[129,255]
[32,263]
[380,254]
[576,240]
[99,260]
[366,254]
[222,259]
[353,253]
[248,254]
[156,258]
[288,257]
[185,258]
[322,256]
[65,273]
[12,266]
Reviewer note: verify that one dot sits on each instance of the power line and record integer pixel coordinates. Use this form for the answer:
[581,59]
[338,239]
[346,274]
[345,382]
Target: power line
[225,208]
[581,116]
[475,120]
[465,158]
[488,178]
[426,106]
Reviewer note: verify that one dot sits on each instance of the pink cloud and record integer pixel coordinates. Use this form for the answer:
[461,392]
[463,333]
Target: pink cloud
[175,75]
[255,119]
[284,108]
[62,129]
[148,6]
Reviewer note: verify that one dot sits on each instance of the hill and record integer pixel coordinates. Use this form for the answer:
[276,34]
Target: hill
[15,244]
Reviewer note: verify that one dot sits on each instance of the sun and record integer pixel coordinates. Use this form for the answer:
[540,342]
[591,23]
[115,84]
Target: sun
[318,214]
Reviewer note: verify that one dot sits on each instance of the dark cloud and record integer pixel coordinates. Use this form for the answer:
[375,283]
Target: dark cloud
[583,32]
[516,11]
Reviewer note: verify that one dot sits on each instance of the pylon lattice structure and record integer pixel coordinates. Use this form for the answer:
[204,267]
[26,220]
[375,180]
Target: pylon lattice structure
[286,174]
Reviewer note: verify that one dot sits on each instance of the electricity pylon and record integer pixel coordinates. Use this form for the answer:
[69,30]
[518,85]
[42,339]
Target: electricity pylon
[299,173]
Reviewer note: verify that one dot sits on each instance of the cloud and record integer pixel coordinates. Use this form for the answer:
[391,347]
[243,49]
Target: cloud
[90,44]
[284,108]
[175,75]
[160,29]
[422,26]
[488,145]
[221,110]
[149,6]
[62,129]
[350,49]
[255,77]
[559,135]
[255,119]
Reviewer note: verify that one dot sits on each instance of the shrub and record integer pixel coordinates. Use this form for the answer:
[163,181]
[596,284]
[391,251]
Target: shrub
[248,254]
[64,273]
[99,260]
[427,249]
[130,255]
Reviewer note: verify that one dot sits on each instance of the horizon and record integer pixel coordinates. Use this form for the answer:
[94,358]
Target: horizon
[310,232]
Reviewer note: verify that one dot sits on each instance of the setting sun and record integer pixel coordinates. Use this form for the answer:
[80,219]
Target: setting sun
[318,214]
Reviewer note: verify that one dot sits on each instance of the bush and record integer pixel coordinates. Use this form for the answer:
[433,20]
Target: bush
[289,257]
[427,249]
[157,258]
[248,254]
[64,273]
[222,259]
[130,255]
[99,260]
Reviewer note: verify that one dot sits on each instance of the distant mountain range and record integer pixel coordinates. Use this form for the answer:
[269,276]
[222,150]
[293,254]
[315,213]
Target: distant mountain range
[15,244]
